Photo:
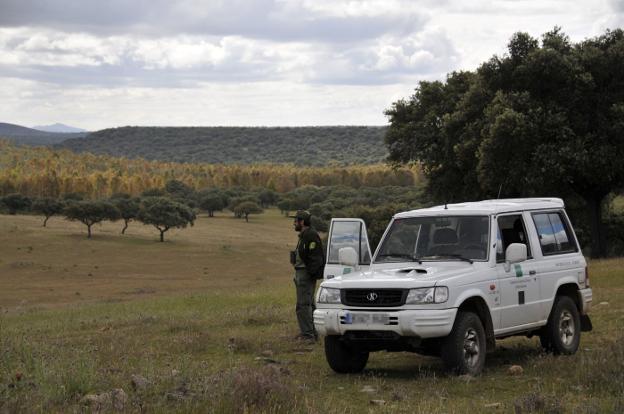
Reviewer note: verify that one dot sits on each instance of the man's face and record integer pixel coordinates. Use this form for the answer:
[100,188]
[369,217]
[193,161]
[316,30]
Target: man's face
[298,224]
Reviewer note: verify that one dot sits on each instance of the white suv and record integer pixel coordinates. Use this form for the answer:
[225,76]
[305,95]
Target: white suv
[449,280]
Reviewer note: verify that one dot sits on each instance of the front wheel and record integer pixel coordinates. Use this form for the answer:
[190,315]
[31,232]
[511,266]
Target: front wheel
[562,334]
[463,351]
[342,358]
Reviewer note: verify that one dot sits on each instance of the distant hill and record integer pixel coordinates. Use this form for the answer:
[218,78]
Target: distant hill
[341,145]
[17,130]
[59,128]
[29,136]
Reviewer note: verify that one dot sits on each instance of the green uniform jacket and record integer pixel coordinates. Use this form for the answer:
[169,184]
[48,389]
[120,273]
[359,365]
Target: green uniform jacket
[311,251]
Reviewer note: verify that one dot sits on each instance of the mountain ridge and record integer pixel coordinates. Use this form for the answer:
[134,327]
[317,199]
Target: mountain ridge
[59,128]
[22,135]
[324,145]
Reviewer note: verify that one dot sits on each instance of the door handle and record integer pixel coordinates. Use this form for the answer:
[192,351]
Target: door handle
[532,272]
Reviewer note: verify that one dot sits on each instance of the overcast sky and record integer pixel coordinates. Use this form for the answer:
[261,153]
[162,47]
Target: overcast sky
[104,63]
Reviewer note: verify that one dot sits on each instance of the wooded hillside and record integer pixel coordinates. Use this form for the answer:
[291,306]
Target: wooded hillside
[340,145]
[45,172]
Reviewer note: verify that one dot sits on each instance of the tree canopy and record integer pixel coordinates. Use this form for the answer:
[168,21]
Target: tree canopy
[164,214]
[16,202]
[48,207]
[246,208]
[90,212]
[547,118]
[128,208]
[211,202]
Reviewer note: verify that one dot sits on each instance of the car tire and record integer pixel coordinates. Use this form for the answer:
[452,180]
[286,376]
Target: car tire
[463,350]
[562,333]
[343,358]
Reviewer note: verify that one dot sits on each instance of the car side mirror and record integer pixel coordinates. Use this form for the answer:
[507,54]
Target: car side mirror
[515,253]
[347,256]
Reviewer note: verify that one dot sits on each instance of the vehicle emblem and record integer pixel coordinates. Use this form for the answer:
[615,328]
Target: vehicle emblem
[372,296]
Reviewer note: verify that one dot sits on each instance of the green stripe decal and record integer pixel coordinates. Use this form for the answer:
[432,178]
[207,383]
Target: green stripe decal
[518,269]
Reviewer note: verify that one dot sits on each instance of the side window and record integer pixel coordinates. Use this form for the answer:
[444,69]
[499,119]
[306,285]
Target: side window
[511,229]
[554,233]
[348,234]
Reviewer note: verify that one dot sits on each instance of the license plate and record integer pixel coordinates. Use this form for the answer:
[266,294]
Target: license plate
[366,318]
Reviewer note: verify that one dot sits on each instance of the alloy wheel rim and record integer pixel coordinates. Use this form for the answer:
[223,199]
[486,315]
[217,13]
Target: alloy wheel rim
[471,347]
[566,328]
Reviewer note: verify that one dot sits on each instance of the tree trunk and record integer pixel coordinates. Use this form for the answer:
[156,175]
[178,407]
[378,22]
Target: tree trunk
[162,234]
[247,218]
[88,231]
[123,231]
[45,221]
[598,237]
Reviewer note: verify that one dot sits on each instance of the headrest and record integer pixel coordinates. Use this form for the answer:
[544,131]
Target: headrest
[445,236]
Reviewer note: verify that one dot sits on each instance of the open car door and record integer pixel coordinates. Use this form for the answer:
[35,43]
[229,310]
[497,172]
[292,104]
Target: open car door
[346,233]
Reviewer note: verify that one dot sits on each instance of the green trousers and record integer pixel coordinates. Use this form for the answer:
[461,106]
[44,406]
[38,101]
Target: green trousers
[305,286]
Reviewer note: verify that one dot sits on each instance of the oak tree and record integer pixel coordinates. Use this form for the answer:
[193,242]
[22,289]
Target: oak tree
[164,214]
[48,207]
[90,212]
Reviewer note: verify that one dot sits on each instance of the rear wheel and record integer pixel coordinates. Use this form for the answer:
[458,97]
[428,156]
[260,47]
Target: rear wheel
[463,351]
[342,358]
[562,333]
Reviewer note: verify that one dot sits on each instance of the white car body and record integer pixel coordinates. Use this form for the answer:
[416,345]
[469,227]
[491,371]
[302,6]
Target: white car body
[511,298]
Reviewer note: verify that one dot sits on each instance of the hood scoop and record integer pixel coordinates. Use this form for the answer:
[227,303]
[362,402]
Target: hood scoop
[412,269]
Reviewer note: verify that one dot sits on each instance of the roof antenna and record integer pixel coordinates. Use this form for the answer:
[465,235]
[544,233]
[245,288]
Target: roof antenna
[445,206]
[500,188]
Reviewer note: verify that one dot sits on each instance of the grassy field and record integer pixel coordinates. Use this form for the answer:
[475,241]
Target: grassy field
[206,319]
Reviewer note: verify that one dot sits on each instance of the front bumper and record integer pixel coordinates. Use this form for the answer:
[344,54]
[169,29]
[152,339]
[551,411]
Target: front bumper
[431,323]
[586,297]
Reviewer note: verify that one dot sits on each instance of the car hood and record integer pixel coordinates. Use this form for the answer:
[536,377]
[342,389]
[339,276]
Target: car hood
[405,275]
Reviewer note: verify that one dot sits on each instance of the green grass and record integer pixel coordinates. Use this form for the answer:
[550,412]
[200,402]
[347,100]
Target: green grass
[223,343]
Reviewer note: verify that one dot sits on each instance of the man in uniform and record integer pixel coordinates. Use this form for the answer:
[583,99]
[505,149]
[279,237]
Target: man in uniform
[309,260]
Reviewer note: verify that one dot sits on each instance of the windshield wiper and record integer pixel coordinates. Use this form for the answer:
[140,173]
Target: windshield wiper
[455,256]
[402,256]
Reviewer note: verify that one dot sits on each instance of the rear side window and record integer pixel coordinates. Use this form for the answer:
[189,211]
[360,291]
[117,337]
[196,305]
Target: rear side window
[554,233]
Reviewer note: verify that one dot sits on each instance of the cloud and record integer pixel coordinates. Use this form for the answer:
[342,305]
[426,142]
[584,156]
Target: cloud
[246,61]
[617,5]
[286,20]
[183,60]
[616,18]
[424,55]
[256,103]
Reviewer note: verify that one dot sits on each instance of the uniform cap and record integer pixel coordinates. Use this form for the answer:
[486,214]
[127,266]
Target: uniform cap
[303,215]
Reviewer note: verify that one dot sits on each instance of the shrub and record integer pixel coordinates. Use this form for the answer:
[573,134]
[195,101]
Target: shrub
[16,202]
[247,390]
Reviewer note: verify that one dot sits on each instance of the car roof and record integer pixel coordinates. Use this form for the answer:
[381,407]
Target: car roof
[486,207]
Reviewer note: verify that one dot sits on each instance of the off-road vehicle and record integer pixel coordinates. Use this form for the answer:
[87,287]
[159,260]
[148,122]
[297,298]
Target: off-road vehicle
[450,280]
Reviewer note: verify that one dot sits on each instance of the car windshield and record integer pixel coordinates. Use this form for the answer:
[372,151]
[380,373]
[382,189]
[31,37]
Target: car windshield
[436,239]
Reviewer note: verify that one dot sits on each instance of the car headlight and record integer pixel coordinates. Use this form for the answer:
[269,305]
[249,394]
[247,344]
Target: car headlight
[329,295]
[427,295]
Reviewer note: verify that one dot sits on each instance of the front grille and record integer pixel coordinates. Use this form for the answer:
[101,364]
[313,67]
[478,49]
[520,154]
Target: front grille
[373,297]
